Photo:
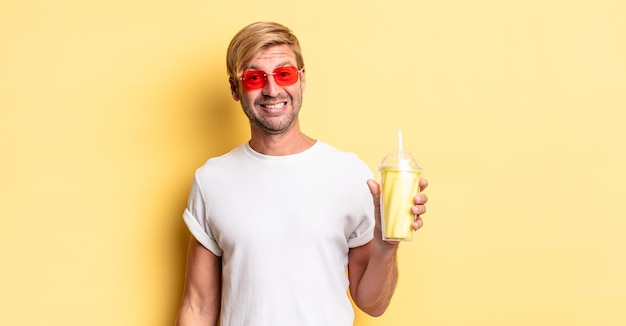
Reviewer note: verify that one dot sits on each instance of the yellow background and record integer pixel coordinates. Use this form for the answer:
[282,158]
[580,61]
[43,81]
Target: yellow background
[516,110]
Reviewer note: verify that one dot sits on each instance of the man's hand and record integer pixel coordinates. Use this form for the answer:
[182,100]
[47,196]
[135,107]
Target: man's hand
[420,205]
[418,209]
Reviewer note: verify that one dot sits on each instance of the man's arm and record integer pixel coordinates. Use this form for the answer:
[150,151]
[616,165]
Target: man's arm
[373,275]
[202,294]
[373,267]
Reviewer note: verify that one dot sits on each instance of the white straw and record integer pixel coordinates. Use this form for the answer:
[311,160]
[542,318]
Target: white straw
[400,150]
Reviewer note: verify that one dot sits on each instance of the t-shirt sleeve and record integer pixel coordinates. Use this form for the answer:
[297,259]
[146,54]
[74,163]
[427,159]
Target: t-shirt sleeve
[364,228]
[195,219]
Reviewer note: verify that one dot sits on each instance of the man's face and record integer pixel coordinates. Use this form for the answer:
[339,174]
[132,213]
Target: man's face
[273,108]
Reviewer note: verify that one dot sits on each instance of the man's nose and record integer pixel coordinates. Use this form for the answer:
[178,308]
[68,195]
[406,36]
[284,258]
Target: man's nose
[271,88]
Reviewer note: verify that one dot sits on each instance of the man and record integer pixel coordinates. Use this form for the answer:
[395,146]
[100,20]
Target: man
[278,220]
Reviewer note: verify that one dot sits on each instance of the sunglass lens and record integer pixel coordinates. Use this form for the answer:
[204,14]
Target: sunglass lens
[254,79]
[286,75]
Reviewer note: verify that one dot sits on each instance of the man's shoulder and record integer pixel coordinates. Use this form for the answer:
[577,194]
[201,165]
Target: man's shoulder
[343,160]
[337,153]
[221,161]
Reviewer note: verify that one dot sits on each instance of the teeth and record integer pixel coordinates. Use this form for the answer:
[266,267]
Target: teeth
[275,106]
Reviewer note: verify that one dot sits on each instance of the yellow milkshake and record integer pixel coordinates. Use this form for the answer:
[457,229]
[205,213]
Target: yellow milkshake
[399,176]
[399,186]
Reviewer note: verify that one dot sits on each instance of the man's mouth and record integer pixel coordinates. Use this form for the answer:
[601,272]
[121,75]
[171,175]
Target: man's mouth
[275,106]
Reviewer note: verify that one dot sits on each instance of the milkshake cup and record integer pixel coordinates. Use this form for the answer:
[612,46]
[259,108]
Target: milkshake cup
[399,176]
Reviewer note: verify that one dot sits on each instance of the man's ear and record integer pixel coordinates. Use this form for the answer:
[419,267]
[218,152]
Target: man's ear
[302,80]
[234,88]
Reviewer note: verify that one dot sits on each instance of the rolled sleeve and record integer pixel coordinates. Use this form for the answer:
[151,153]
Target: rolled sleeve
[200,233]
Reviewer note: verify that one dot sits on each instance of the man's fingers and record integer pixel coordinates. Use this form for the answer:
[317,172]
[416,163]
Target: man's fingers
[421,199]
[423,184]
[374,187]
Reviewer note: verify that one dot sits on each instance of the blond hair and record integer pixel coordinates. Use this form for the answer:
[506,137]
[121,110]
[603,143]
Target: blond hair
[255,38]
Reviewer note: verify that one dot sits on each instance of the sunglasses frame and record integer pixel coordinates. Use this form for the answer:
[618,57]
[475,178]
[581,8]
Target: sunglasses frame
[265,74]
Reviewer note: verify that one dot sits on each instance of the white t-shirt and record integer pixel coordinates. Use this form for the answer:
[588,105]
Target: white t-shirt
[283,226]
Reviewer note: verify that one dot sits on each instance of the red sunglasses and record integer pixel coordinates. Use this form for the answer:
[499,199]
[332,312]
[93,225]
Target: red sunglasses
[257,79]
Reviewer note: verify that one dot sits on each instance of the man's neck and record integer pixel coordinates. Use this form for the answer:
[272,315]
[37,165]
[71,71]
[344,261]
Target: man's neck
[291,142]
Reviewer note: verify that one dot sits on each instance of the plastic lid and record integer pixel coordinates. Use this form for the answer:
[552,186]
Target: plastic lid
[400,159]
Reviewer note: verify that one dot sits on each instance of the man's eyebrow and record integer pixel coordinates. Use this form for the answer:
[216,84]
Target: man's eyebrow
[282,64]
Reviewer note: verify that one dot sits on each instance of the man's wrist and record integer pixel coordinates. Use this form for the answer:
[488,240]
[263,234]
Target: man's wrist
[386,248]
